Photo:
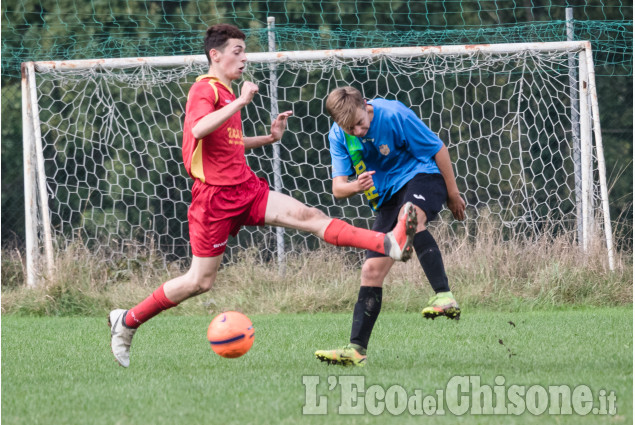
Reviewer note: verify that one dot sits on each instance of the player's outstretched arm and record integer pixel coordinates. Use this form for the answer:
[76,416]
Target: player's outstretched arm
[278,126]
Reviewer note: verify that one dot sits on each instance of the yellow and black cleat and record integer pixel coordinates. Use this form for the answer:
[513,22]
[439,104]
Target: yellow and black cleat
[346,356]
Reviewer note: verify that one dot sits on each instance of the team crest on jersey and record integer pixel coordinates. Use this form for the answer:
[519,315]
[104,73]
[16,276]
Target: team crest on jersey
[384,150]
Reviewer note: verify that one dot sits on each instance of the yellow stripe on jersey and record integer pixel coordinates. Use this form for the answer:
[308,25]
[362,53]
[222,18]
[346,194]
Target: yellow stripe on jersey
[214,80]
[196,167]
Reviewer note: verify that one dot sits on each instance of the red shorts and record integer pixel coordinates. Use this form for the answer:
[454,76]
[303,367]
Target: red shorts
[219,211]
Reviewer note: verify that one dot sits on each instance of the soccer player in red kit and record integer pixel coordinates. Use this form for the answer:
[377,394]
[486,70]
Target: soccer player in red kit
[228,195]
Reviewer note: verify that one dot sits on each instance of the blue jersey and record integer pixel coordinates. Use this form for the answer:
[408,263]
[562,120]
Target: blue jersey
[397,146]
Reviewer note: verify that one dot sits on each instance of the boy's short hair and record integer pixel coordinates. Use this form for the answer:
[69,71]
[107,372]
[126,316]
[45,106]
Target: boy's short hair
[342,104]
[218,35]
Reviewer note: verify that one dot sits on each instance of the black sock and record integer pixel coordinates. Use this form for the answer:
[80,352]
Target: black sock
[430,258]
[365,313]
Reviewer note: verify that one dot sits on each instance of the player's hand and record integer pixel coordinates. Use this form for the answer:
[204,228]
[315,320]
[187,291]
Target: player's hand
[456,204]
[365,180]
[247,92]
[279,125]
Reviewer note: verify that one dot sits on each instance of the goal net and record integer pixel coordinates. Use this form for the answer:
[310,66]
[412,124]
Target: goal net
[103,147]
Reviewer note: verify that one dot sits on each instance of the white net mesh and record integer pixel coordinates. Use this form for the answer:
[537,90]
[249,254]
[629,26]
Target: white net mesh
[112,145]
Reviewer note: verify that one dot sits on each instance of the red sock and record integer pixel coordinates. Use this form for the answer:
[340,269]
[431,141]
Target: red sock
[340,233]
[148,308]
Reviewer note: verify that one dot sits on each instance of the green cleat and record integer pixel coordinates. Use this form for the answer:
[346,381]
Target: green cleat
[346,356]
[442,304]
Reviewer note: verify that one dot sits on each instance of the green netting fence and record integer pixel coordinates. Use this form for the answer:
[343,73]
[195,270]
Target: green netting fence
[71,29]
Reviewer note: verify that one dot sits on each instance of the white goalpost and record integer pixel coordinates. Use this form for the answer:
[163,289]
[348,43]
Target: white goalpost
[102,144]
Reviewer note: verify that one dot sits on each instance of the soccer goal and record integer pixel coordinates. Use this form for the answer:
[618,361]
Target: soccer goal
[102,143]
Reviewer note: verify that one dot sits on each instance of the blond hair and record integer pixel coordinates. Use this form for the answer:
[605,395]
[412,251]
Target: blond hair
[343,103]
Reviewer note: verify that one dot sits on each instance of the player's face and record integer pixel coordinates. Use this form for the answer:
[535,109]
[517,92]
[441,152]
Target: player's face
[232,59]
[360,125]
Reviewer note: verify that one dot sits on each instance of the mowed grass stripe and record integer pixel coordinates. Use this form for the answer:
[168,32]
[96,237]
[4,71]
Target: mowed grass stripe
[61,371]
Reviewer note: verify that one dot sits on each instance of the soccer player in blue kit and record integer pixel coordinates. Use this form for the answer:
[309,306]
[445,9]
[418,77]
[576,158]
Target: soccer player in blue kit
[398,160]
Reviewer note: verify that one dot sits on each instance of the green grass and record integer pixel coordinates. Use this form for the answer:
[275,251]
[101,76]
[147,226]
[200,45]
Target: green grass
[61,371]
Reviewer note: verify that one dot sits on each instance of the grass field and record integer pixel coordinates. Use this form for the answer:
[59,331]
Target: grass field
[61,371]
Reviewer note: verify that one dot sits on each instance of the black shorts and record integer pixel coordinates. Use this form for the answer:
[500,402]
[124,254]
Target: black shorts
[426,191]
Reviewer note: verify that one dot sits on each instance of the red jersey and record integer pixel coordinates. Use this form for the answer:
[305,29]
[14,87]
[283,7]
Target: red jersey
[219,157]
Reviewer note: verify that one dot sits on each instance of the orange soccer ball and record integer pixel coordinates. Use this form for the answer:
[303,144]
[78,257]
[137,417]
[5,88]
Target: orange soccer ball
[231,334]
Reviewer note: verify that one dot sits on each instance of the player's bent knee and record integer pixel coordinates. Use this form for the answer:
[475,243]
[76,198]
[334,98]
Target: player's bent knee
[372,273]
[316,214]
[200,285]
[422,219]
[309,214]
